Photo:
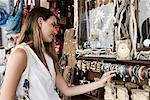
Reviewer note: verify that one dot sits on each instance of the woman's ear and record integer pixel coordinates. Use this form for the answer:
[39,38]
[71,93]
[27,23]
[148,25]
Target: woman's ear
[40,19]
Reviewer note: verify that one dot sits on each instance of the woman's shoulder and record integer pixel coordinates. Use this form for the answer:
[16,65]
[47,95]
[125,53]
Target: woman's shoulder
[22,50]
[19,49]
[17,58]
[23,44]
[18,53]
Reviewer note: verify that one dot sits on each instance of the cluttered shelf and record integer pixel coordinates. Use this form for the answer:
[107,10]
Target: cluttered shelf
[113,60]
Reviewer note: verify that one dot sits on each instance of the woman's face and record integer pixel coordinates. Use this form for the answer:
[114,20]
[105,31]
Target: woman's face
[48,28]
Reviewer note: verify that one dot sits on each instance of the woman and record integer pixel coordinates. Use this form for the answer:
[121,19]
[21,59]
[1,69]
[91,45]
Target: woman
[34,58]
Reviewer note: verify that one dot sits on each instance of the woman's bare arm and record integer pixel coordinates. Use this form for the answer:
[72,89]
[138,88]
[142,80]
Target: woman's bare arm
[80,89]
[15,66]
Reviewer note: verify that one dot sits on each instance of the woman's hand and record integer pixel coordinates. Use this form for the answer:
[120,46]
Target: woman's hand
[106,77]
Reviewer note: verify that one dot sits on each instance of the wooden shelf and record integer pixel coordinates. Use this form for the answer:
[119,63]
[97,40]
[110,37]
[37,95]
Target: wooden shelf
[143,49]
[112,60]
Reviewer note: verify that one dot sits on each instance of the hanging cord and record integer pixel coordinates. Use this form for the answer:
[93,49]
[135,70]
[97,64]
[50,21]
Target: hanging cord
[127,21]
[131,31]
[133,28]
[122,10]
[114,19]
[119,9]
[119,26]
[87,20]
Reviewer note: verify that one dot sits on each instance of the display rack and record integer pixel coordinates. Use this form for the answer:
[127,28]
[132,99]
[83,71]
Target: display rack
[86,37]
[111,60]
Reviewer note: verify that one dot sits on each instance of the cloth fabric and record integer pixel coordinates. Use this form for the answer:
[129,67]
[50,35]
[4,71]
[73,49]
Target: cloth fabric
[3,16]
[5,8]
[41,81]
[14,21]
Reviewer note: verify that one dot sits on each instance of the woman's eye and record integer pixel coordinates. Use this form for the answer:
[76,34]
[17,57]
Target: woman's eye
[54,25]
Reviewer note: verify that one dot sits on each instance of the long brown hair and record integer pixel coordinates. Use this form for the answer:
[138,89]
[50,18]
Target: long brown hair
[33,33]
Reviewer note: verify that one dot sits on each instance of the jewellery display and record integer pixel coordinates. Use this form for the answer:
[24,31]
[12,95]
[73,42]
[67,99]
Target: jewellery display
[124,71]
[108,26]
[116,89]
[140,72]
[108,40]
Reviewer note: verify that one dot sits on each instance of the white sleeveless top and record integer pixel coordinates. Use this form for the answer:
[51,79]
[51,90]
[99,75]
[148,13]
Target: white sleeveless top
[42,83]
